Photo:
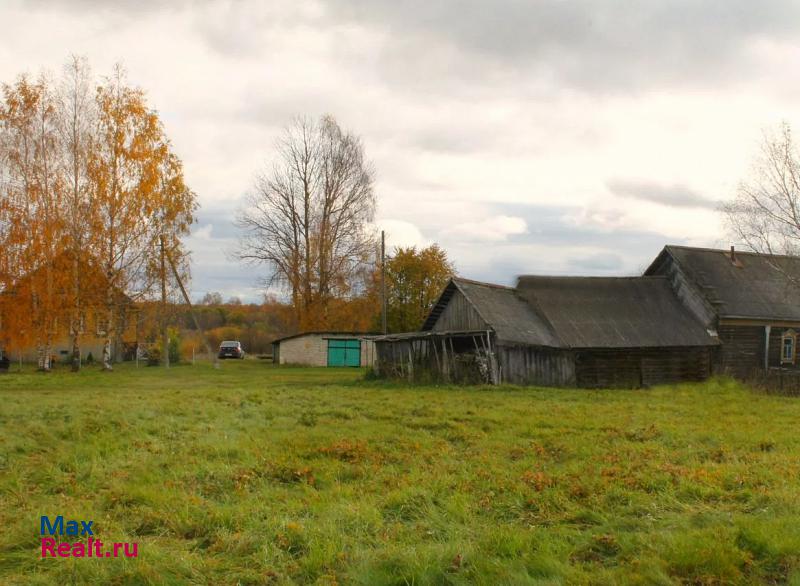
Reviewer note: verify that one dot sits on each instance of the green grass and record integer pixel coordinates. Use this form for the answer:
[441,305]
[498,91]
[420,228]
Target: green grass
[256,475]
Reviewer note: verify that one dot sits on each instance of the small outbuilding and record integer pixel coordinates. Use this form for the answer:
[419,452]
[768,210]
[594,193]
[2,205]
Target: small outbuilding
[554,331]
[325,349]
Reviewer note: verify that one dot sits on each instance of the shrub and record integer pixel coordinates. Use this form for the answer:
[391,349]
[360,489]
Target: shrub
[174,345]
[155,351]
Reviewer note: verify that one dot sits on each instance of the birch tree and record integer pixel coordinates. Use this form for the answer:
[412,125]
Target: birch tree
[174,206]
[77,119]
[765,214]
[89,189]
[307,219]
[33,191]
[124,177]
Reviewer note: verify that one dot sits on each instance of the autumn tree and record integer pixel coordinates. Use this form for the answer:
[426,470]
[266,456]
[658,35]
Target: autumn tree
[76,120]
[414,280]
[32,194]
[307,219]
[91,199]
[139,197]
[174,213]
[765,215]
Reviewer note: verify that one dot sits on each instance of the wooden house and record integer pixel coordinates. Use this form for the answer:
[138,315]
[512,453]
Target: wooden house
[554,331]
[751,301]
[18,302]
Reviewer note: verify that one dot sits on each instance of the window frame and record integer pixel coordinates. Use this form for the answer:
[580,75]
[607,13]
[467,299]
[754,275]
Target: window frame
[788,335]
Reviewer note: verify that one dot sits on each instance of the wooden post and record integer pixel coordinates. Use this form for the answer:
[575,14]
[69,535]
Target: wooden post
[492,369]
[452,355]
[767,329]
[436,354]
[383,283]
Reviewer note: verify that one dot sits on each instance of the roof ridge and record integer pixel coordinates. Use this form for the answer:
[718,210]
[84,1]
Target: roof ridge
[484,283]
[587,277]
[727,251]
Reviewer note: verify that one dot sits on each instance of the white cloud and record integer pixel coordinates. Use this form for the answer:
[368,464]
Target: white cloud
[462,121]
[203,233]
[492,229]
[401,234]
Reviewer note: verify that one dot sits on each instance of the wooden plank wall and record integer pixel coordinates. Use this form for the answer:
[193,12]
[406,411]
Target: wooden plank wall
[742,350]
[430,360]
[526,365]
[459,314]
[636,367]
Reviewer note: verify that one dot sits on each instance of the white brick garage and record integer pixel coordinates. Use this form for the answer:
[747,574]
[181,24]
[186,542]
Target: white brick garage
[320,348]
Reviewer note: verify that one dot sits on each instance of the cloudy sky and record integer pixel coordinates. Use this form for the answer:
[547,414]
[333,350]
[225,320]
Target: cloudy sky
[554,137]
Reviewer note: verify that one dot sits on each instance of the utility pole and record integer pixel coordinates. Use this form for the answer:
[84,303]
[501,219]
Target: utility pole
[211,353]
[164,332]
[383,281]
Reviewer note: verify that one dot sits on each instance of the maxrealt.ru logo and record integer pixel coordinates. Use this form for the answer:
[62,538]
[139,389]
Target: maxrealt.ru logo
[90,548]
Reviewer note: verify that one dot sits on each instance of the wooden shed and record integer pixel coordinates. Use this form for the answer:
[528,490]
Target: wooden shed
[752,302]
[554,331]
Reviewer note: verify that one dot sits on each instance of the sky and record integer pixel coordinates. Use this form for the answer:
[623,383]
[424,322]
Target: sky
[551,137]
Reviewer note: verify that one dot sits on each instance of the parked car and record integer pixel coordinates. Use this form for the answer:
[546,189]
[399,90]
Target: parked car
[231,349]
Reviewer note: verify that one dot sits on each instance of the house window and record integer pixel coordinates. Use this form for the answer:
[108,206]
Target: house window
[102,326]
[788,343]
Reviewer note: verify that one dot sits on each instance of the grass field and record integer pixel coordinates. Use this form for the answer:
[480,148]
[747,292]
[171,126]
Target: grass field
[257,475]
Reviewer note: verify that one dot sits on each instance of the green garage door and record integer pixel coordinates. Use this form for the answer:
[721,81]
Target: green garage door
[344,353]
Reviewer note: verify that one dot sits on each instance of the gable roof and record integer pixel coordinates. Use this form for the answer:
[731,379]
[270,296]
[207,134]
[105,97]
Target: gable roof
[512,318]
[614,312]
[756,286]
[93,280]
[581,312]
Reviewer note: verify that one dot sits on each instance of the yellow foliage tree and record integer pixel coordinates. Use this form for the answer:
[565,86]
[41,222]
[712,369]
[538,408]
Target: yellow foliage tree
[89,189]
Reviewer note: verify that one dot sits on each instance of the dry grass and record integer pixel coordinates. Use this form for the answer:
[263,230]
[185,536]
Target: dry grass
[254,475]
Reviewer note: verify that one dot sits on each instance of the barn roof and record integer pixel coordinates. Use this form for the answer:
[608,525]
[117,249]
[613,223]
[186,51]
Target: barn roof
[754,286]
[613,312]
[512,318]
[581,312]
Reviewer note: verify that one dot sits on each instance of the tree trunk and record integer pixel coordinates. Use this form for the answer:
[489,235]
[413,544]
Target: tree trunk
[43,352]
[76,352]
[165,333]
[76,315]
[107,354]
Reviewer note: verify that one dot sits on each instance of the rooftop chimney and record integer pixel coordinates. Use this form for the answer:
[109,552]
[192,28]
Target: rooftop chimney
[733,254]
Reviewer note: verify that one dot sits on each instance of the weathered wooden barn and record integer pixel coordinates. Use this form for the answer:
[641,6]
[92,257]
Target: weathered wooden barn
[324,349]
[751,301]
[554,331]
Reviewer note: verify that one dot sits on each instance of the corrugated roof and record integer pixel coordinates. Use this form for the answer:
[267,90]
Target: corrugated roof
[756,286]
[511,317]
[613,312]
